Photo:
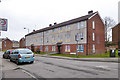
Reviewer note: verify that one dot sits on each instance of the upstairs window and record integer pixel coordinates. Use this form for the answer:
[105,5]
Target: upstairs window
[67,27]
[93,36]
[78,25]
[82,24]
[60,28]
[93,24]
[53,30]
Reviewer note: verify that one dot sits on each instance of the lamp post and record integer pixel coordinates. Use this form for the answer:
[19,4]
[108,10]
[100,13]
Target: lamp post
[27,29]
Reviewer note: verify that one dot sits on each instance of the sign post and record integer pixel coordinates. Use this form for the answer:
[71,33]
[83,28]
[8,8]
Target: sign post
[77,39]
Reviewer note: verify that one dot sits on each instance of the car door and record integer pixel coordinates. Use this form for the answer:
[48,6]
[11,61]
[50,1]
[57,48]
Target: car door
[16,53]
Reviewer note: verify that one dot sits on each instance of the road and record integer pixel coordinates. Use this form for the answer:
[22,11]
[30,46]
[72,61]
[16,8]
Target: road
[44,67]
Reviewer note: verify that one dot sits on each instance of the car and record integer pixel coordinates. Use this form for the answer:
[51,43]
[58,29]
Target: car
[22,55]
[7,53]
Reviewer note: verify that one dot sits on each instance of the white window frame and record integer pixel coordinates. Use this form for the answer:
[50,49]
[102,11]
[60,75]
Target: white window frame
[82,24]
[93,25]
[93,48]
[93,36]
[78,25]
[53,48]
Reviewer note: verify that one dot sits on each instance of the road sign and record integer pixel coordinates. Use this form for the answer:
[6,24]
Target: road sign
[3,24]
[77,37]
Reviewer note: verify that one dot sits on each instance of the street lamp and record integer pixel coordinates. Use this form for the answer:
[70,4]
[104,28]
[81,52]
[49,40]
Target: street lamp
[27,29]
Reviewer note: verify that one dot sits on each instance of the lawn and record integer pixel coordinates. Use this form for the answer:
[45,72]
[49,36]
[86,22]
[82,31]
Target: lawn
[81,56]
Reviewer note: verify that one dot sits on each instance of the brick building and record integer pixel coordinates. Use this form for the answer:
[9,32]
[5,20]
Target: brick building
[115,36]
[61,37]
[7,44]
[22,43]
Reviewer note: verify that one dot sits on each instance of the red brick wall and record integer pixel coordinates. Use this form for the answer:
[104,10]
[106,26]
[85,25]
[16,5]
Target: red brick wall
[99,35]
[9,44]
[22,43]
[116,34]
[73,49]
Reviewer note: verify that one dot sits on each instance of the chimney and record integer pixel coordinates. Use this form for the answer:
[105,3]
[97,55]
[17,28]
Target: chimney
[33,30]
[50,25]
[55,23]
[89,12]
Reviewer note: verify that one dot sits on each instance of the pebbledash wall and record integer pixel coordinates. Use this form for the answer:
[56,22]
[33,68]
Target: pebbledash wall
[90,29]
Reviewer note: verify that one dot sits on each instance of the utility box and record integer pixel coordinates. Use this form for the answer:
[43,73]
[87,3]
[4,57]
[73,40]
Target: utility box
[119,52]
[112,53]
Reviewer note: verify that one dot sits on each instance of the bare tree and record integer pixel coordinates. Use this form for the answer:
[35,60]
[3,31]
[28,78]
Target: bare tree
[109,23]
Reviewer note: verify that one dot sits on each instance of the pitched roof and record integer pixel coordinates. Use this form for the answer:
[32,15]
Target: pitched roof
[83,18]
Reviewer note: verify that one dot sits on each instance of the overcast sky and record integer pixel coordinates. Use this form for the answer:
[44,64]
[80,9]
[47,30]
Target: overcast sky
[37,14]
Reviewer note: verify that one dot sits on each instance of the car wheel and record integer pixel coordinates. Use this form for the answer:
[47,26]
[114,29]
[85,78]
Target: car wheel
[3,56]
[10,60]
[31,62]
[17,62]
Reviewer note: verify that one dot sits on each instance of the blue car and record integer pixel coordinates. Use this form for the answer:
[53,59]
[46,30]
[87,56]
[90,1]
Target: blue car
[22,55]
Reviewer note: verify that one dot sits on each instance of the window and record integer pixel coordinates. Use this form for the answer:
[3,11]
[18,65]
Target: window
[53,48]
[93,36]
[60,28]
[78,25]
[53,38]
[81,48]
[41,40]
[93,24]
[67,27]
[82,24]
[46,48]
[5,44]
[67,36]
[67,48]
[53,30]
[93,48]
[47,40]
[40,48]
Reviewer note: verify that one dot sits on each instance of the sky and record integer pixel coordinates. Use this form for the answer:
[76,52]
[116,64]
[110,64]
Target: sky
[38,14]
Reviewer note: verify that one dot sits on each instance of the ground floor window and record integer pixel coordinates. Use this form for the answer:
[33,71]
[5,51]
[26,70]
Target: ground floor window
[46,48]
[80,48]
[93,48]
[40,48]
[67,48]
[53,48]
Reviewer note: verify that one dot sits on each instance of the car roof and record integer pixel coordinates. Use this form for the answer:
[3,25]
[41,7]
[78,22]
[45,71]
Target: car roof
[22,49]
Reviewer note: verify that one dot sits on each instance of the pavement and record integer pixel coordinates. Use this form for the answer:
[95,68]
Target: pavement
[111,59]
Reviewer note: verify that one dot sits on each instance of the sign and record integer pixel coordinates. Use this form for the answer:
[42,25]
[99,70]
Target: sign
[77,37]
[3,24]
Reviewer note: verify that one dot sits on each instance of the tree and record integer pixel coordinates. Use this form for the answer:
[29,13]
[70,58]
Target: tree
[109,23]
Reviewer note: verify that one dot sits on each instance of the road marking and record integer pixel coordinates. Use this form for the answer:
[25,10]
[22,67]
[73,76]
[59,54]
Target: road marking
[30,74]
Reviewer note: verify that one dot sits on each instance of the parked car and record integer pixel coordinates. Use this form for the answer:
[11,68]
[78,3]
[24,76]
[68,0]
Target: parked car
[22,55]
[7,54]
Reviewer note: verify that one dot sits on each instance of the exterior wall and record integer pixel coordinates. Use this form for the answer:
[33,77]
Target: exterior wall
[48,35]
[49,38]
[99,36]
[119,12]
[34,39]
[115,35]
[59,35]
[22,43]
[7,44]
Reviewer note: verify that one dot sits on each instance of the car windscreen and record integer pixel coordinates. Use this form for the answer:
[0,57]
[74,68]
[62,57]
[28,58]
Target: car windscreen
[25,51]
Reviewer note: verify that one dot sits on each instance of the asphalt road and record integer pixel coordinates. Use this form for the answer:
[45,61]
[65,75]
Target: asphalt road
[45,67]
